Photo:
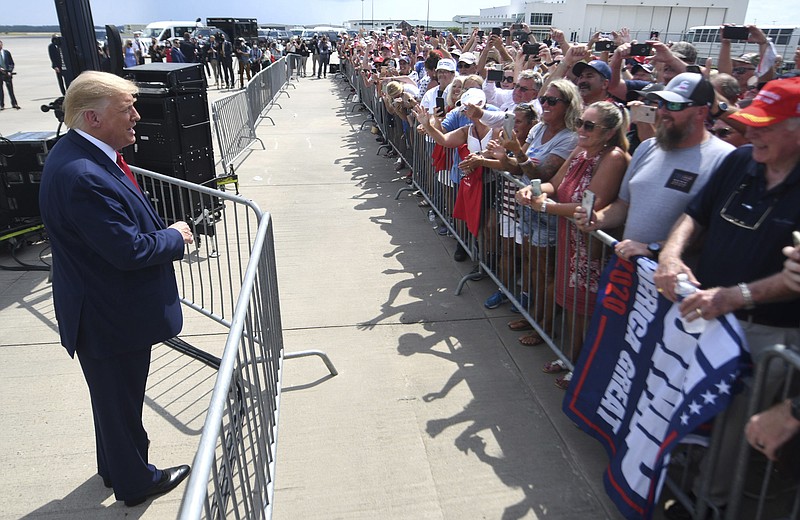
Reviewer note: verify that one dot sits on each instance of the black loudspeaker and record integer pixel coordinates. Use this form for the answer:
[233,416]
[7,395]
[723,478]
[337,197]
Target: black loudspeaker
[173,137]
[152,78]
[22,159]
[79,46]
[171,126]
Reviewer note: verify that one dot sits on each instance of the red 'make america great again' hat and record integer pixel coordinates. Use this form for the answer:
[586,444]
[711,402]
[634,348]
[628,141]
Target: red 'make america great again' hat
[776,101]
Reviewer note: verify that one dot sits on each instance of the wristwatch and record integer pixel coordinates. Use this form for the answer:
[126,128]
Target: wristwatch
[654,248]
[723,107]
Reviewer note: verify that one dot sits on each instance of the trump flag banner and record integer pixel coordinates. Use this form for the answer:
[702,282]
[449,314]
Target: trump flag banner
[643,383]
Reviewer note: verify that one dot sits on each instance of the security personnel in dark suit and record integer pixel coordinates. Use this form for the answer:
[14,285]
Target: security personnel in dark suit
[7,77]
[57,60]
[114,286]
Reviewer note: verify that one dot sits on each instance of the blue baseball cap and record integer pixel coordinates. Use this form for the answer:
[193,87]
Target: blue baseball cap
[599,66]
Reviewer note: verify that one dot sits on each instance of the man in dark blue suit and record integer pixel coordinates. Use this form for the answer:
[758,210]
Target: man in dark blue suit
[114,286]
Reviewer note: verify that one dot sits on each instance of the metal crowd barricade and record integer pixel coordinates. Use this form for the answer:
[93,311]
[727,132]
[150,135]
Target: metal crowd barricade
[760,489]
[525,272]
[237,115]
[228,275]
[777,484]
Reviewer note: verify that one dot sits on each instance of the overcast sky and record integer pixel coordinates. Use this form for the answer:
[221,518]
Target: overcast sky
[322,12]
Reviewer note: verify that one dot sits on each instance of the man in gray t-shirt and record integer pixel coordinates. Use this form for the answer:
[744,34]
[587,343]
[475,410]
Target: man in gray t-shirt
[666,171]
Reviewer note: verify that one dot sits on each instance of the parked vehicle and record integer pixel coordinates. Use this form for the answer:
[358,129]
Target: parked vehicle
[167,30]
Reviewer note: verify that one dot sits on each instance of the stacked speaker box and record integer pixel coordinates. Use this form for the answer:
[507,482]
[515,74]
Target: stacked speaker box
[22,157]
[173,136]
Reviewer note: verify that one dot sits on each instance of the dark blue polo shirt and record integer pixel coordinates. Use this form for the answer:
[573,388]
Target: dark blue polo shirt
[750,250]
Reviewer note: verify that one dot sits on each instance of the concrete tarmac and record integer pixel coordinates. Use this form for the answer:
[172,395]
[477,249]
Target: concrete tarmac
[437,412]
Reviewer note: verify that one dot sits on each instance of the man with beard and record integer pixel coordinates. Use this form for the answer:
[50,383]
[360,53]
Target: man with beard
[742,220]
[666,171]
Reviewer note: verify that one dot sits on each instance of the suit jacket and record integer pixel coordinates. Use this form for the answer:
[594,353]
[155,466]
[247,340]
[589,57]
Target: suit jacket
[114,285]
[9,61]
[54,52]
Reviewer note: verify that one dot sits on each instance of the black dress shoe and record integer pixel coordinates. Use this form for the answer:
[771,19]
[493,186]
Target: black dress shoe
[170,478]
[461,254]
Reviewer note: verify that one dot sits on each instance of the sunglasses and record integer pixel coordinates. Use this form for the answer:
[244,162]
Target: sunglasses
[672,106]
[722,133]
[508,79]
[551,100]
[742,70]
[589,126]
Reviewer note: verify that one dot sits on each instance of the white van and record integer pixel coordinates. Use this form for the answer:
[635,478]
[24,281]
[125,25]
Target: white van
[172,29]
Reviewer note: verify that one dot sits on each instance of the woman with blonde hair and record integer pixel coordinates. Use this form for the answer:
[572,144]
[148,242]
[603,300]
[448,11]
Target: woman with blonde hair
[597,164]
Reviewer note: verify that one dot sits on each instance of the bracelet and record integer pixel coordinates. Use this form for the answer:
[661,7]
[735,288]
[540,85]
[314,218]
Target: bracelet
[747,295]
[550,64]
[544,206]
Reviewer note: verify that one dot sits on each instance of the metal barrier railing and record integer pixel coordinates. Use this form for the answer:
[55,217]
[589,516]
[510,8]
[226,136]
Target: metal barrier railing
[549,271]
[778,484]
[514,246]
[237,115]
[229,276]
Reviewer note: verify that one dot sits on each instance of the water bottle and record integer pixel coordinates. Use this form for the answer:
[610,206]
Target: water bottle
[684,288]
[431,215]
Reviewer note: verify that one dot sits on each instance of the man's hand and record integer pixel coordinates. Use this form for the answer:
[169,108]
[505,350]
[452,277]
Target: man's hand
[791,267]
[185,231]
[769,430]
[711,303]
[623,36]
[575,54]
[666,276]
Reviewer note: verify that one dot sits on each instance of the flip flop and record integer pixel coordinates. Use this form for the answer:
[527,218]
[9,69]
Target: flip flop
[563,382]
[555,367]
[518,325]
[531,339]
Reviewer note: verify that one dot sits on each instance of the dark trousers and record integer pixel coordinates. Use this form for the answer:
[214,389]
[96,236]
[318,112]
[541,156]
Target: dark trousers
[60,78]
[227,71]
[8,82]
[116,386]
[324,60]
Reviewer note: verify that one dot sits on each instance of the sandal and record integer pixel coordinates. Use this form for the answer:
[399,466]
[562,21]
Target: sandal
[555,367]
[563,382]
[531,339]
[518,325]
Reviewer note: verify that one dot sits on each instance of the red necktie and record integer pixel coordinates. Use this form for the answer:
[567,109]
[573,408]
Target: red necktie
[126,169]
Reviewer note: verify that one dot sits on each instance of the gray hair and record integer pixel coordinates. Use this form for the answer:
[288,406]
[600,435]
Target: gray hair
[531,74]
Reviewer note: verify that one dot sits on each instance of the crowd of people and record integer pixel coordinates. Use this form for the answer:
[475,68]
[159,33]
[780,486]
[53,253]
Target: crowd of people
[694,165]
[216,52]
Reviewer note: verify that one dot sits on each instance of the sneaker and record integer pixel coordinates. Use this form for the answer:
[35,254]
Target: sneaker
[523,301]
[444,232]
[495,300]
[461,254]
